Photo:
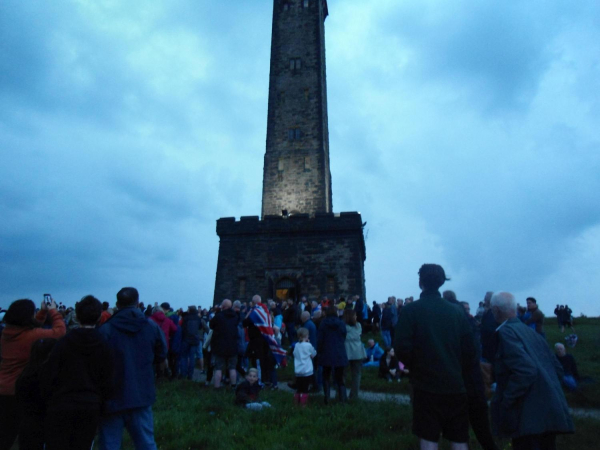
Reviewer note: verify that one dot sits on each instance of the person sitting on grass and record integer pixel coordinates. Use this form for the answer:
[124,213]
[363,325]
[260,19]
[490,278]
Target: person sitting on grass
[571,375]
[374,354]
[390,367]
[246,393]
[304,352]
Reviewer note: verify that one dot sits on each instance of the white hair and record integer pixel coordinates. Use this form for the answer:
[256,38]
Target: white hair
[558,345]
[505,302]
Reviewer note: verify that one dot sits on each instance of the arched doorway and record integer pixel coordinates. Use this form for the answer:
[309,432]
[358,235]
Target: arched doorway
[285,289]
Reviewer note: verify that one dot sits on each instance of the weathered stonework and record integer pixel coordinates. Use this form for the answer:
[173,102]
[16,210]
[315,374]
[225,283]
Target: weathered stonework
[314,254]
[311,252]
[296,167]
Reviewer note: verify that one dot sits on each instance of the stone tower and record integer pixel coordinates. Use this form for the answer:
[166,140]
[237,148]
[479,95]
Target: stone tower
[310,251]
[296,175]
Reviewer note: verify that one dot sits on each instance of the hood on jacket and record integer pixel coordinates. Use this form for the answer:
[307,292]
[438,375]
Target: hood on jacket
[85,340]
[128,320]
[159,317]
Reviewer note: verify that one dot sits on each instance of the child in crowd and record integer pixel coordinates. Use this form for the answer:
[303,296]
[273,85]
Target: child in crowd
[246,393]
[389,366]
[304,352]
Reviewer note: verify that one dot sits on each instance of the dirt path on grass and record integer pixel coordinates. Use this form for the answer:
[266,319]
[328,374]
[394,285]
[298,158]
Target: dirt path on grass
[404,399]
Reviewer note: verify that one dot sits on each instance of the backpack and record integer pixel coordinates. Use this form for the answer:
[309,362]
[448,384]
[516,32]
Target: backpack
[191,329]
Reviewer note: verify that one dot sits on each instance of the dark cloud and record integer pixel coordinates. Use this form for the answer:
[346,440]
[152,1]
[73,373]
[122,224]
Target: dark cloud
[466,134]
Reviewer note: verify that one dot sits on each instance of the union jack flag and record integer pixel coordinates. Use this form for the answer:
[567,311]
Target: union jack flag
[261,318]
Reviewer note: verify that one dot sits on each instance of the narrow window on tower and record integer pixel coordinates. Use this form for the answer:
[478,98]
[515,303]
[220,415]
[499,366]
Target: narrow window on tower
[280,170]
[305,3]
[330,284]
[294,134]
[285,6]
[295,64]
[306,94]
[306,163]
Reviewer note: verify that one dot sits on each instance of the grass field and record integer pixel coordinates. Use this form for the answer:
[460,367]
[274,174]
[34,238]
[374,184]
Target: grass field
[191,416]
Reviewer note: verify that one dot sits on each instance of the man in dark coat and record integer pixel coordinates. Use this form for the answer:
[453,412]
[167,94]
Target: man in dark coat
[529,405]
[434,340]
[331,350]
[224,342]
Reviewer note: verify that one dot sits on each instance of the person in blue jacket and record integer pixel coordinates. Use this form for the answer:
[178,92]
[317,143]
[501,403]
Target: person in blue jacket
[137,343]
[374,354]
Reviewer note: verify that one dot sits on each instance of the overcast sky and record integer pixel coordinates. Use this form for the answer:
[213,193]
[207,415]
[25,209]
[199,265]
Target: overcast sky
[465,132]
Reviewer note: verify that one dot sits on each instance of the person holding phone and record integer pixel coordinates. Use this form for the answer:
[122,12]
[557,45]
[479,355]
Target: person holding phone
[23,328]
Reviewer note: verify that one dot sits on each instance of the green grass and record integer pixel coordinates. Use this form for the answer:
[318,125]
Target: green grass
[190,416]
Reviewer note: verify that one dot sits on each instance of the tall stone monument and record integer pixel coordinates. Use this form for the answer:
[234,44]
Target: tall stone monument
[299,248]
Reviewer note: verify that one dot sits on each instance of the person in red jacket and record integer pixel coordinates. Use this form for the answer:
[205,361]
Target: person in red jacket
[21,331]
[168,328]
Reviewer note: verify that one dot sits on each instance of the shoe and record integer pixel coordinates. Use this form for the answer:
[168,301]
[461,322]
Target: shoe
[326,392]
[292,385]
[303,400]
[274,387]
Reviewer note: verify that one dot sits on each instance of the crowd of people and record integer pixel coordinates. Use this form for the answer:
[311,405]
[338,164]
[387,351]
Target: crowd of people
[92,368]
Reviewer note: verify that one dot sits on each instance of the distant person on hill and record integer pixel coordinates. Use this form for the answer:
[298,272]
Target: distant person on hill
[434,342]
[529,405]
[23,328]
[536,321]
[76,381]
[571,375]
[137,344]
[567,319]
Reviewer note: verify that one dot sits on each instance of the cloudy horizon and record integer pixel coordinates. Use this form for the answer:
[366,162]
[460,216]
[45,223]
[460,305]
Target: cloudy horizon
[465,133]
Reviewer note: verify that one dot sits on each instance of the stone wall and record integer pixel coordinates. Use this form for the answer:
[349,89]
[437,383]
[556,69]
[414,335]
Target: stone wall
[320,255]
